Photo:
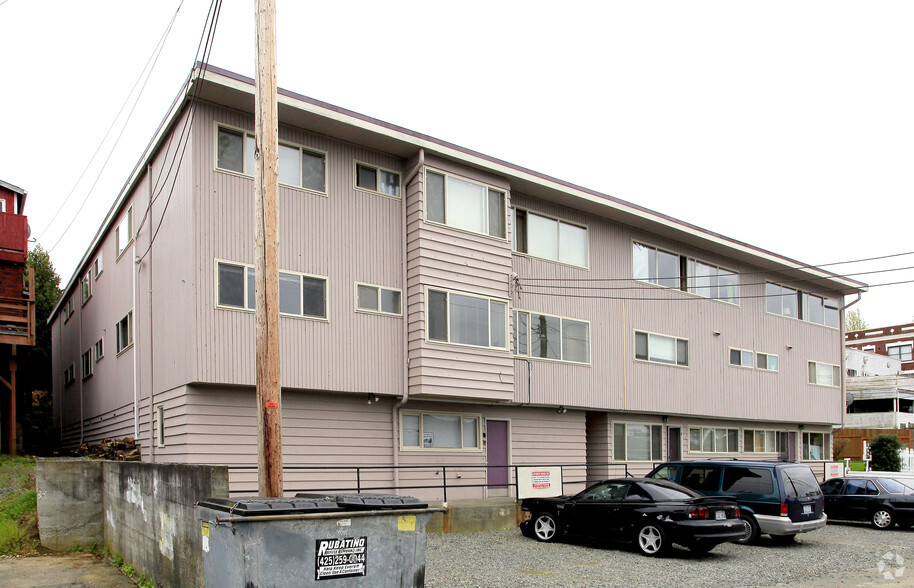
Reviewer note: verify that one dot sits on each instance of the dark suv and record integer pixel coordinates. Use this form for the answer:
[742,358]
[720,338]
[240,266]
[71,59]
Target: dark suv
[780,499]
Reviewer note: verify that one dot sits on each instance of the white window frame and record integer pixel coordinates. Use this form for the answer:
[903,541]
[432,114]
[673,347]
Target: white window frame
[2,205]
[900,345]
[99,349]
[714,432]
[767,356]
[461,417]
[870,348]
[802,305]
[655,362]
[562,319]
[86,288]
[655,456]
[488,187]
[836,374]
[826,446]
[378,289]
[558,259]
[87,364]
[245,173]
[780,440]
[69,374]
[448,292]
[97,266]
[659,278]
[68,310]
[246,292]
[123,346]
[742,358]
[691,279]
[356,164]
[126,224]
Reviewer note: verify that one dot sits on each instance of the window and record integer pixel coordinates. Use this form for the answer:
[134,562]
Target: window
[97,266]
[69,375]
[763,441]
[160,426]
[125,332]
[99,349]
[637,442]
[711,440]
[87,363]
[900,351]
[298,166]
[2,205]
[550,238]
[369,298]
[747,480]
[123,234]
[439,431]
[661,348]
[468,320]
[465,205]
[86,287]
[712,281]
[655,266]
[375,179]
[67,310]
[741,357]
[824,374]
[816,446]
[701,478]
[299,294]
[802,305]
[551,337]
[678,272]
[766,361]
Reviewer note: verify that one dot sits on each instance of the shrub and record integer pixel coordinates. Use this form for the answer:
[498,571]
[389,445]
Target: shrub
[884,453]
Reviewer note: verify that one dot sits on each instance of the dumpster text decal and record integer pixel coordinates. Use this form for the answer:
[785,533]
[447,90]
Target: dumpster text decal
[340,558]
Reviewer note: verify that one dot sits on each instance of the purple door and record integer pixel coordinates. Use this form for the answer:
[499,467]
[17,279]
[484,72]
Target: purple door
[673,443]
[497,453]
[791,446]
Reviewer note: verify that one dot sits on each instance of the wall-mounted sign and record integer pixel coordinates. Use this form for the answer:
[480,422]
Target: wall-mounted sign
[539,482]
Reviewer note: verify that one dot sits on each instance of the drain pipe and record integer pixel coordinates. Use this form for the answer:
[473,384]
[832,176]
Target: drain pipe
[843,361]
[394,412]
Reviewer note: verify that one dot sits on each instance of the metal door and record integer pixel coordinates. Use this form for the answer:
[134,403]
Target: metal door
[497,453]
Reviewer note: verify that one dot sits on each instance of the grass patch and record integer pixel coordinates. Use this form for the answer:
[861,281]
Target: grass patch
[18,506]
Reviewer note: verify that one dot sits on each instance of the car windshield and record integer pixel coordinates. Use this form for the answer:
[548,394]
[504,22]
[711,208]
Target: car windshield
[899,486]
[666,473]
[799,481]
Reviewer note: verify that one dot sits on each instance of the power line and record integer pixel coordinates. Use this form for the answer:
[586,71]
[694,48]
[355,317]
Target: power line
[153,59]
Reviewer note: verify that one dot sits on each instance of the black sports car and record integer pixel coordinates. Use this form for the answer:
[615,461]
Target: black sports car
[653,514]
[880,500]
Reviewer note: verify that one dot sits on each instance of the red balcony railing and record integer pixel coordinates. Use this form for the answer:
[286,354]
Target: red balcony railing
[14,237]
[17,315]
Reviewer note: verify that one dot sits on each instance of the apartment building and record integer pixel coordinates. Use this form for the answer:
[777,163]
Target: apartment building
[438,306]
[894,341]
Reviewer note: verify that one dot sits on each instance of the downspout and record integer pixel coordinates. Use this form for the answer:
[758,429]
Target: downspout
[843,361]
[152,429]
[136,345]
[394,413]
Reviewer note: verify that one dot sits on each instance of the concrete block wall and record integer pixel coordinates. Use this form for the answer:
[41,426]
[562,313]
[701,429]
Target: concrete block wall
[144,512]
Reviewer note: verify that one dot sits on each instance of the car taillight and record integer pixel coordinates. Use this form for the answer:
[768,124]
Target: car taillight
[700,512]
[783,509]
[736,512]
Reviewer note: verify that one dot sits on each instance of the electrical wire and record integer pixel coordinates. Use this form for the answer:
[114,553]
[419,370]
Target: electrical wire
[153,59]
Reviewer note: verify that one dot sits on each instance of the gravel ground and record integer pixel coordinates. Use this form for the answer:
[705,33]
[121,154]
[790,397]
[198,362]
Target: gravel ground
[841,554]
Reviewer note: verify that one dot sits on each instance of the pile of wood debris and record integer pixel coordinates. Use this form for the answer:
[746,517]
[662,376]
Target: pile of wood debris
[124,449]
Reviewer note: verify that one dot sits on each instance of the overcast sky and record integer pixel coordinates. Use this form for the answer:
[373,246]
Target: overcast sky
[786,125]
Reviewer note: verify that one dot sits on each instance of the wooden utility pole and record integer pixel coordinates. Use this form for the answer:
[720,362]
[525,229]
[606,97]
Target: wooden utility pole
[266,234]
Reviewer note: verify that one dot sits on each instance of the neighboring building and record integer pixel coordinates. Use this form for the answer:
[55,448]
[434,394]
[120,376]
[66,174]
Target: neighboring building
[881,398]
[438,307]
[17,305]
[896,341]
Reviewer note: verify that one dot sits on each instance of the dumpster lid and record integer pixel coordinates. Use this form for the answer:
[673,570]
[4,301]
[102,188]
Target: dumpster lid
[257,505]
[365,501]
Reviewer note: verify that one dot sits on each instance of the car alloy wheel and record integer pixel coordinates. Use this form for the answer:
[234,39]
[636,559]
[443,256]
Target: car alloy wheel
[752,531]
[544,527]
[882,519]
[651,540]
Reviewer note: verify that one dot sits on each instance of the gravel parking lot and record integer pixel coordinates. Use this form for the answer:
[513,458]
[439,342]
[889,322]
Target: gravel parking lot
[841,554]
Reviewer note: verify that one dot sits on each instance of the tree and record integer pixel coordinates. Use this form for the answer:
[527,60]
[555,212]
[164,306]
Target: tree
[884,453]
[853,321]
[35,377]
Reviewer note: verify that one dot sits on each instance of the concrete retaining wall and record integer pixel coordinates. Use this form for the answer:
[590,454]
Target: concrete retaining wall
[144,512]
